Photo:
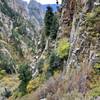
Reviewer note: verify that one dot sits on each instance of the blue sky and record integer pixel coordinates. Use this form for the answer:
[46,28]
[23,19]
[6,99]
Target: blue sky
[46,1]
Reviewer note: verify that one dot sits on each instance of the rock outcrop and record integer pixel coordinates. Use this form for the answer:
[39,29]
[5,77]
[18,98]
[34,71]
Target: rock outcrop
[83,18]
[85,34]
[20,26]
[68,9]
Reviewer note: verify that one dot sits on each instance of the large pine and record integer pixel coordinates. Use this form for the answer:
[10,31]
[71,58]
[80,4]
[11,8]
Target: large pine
[48,20]
[54,27]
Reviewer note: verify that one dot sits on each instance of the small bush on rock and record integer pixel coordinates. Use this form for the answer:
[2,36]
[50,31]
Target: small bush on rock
[63,48]
[35,83]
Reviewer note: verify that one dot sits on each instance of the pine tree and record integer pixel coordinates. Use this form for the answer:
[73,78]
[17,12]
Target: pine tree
[48,20]
[25,76]
[54,27]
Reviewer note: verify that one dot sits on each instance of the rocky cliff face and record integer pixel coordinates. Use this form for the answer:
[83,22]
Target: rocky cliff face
[36,11]
[28,11]
[84,36]
[80,20]
[20,26]
[18,21]
[20,7]
[68,9]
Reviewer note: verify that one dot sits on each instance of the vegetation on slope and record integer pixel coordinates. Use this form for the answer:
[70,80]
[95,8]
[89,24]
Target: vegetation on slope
[51,82]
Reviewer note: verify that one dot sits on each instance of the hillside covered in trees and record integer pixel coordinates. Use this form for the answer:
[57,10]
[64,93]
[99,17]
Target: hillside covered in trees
[48,54]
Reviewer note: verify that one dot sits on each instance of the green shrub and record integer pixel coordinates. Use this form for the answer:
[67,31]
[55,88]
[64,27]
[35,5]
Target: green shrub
[91,15]
[25,76]
[97,68]
[16,94]
[6,63]
[54,61]
[97,10]
[63,48]
[92,22]
[35,83]
[2,72]
[95,92]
